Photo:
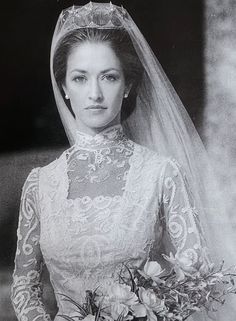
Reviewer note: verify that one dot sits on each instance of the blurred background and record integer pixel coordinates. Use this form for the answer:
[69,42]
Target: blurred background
[195,42]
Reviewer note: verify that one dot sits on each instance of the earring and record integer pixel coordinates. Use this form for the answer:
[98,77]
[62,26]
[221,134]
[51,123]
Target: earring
[126,95]
[66,96]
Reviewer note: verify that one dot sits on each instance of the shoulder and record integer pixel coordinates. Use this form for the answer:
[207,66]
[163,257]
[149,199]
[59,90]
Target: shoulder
[165,166]
[173,168]
[54,166]
[149,155]
[155,159]
[30,186]
[33,175]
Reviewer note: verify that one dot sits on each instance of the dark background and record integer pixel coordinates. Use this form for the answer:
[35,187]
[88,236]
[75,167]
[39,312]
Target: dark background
[28,114]
[31,133]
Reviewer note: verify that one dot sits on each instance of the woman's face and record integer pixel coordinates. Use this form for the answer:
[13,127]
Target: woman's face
[95,85]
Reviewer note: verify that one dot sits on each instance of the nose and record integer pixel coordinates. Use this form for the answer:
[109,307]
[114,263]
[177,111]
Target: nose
[95,92]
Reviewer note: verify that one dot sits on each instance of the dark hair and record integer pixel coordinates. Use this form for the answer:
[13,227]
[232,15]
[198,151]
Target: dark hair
[119,41]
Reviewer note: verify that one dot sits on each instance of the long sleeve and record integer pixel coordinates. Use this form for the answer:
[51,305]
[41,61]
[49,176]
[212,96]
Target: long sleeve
[181,219]
[26,292]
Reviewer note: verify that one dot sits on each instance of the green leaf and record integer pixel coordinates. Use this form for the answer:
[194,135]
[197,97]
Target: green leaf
[79,306]
[120,317]
[133,286]
[97,315]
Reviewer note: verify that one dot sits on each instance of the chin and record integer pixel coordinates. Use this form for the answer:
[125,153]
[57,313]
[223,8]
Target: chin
[100,123]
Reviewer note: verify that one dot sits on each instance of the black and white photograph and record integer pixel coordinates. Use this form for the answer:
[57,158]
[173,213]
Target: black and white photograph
[117,160]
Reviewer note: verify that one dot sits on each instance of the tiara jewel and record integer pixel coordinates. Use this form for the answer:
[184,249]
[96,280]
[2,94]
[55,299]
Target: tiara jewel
[93,15]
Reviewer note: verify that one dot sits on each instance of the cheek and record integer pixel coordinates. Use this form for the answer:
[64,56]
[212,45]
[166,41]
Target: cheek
[116,96]
[77,93]
[77,98]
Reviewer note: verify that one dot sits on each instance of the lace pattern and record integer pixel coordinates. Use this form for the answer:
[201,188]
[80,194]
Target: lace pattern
[104,202]
[26,292]
[181,216]
[100,162]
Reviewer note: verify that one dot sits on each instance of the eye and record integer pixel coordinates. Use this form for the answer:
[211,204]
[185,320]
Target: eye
[110,77]
[80,79]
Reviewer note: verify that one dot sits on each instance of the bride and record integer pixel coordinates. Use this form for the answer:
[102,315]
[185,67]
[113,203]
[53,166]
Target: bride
[133,184]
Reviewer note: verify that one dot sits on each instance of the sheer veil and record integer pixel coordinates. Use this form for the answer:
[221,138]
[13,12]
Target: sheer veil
[159,122]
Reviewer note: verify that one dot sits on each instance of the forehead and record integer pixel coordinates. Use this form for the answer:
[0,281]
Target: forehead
[93,56]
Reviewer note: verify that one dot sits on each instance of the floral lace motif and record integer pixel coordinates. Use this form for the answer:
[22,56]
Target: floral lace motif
[26,288]
[104,202]
[99,162]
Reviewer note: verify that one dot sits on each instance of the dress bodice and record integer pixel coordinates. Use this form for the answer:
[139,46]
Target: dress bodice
[104,202]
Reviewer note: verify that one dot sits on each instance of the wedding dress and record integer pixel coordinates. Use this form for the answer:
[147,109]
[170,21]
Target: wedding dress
[104,202]
[129,193]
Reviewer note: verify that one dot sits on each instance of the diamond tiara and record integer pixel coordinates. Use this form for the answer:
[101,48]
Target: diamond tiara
[93,15]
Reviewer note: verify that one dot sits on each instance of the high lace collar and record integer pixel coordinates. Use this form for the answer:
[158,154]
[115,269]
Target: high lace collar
[105,138]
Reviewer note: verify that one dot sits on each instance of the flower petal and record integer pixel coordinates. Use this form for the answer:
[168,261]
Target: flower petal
[139,310]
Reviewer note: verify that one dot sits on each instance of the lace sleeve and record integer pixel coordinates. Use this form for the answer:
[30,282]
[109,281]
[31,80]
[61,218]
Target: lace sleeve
[181,219]
[26,291]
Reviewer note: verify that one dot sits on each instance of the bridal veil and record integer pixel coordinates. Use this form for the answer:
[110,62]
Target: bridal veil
[159,122]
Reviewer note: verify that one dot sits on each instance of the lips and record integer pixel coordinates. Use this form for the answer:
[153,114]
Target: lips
[96,107]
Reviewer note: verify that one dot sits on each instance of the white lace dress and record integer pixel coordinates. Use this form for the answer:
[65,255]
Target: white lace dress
[103,202]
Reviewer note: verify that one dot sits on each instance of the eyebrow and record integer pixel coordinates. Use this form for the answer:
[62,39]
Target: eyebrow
[102,72]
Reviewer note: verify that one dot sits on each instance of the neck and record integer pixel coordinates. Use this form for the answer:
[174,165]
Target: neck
[108,137]
[93,131]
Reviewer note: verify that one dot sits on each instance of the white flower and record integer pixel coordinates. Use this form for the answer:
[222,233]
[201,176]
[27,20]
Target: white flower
[152,270]
[118,301]
[205,268]
[149,299]
[182,264]
[151,303]
[118,309]
[121,293]
[139,310]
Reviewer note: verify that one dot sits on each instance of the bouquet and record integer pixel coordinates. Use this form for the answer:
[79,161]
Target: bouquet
[153,295]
